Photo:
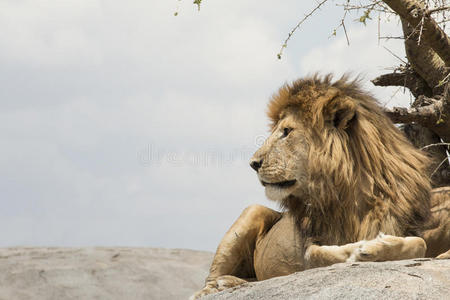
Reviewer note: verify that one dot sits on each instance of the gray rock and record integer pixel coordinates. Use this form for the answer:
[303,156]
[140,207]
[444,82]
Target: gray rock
[407,279]
[101,273]
[146,273]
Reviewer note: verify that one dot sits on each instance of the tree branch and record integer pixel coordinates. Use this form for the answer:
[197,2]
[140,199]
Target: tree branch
[425,115]
[424,61]
[408,79]
[431,113]
[434,145]
[438,9]
[414,12]
[428,141]
[298,26]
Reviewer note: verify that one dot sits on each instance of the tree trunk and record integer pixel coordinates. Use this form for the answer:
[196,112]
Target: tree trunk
[427,48]
[422,137]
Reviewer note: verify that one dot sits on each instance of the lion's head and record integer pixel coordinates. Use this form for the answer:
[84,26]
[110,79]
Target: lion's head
[333,153]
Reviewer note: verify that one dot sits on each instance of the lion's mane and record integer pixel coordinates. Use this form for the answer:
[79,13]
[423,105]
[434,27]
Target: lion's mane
[364,175]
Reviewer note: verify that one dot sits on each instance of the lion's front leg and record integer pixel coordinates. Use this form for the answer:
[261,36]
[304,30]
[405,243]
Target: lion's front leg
[388,247]
[234,256]
[323,256]
[383,248]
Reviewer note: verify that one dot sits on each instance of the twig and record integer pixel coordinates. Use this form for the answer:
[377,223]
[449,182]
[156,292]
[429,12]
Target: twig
[297,26]
[345,31]
[342,24]
[412,32]
[395,55]
[372,7]
[438,9]
[392,96]
[444,80]
[379,21]
[391,38]
[433,145]
[442,162]
[422,21]
[412,11]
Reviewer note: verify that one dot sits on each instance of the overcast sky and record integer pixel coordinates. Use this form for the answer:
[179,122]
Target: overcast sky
[122,124]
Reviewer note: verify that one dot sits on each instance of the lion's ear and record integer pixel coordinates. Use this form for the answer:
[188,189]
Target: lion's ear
[341,112]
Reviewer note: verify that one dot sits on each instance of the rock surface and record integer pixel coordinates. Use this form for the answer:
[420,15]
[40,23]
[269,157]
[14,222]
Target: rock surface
[149,273]
[407,279]
[101,273]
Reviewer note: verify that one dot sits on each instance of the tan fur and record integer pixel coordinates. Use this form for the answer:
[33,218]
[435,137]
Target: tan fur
[368,172]
[437,232]
[346,174]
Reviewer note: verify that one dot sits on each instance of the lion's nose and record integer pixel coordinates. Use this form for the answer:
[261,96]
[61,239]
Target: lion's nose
[256,164]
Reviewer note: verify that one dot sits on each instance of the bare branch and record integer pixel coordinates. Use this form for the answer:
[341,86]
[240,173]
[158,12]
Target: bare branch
[422,21]
[345,31]
[438,9]
[342,24]
[391,38]
[434,145]
[437,168]
[422,115]
[408,79]
[376,6]
[298,26]
[413,11]
[431,113]
[422,58]
[395,55]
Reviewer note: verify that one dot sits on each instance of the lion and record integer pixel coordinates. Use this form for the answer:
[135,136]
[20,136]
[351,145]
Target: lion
[351,186]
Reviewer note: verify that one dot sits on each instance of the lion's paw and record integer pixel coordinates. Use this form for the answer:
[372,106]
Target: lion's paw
[203,292]
[445,255]
[389,247]
[219,284]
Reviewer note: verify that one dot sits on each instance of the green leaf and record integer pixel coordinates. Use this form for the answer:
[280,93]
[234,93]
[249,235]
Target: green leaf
[362,19]
[198,2]
[366,16]
[440,121]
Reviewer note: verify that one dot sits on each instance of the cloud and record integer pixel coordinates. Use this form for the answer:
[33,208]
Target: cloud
[124,125]
[90,84]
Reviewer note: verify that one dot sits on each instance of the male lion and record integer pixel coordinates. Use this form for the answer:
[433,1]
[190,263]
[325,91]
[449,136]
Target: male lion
[353,189]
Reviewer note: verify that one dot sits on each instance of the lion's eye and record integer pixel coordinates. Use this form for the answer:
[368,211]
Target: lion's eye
[286,131]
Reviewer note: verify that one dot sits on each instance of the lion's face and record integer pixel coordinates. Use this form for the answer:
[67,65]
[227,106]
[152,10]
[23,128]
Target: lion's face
[281,163]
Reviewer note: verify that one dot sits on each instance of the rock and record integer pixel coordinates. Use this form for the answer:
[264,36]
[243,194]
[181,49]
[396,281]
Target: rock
[407,279]
[101,273]
[148,273]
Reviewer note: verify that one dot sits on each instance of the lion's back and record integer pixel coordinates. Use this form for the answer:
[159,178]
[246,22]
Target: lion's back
[438,238]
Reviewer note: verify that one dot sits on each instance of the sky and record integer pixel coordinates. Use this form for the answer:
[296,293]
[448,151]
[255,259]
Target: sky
[124,125]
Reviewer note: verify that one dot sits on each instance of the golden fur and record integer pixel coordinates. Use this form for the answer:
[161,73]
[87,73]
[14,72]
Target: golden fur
[364,175]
